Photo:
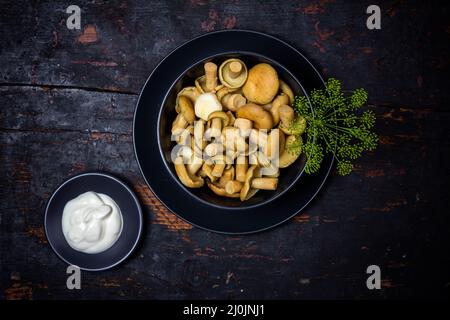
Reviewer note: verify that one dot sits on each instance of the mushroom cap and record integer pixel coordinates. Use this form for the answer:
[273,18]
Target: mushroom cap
[261,118]
[295,127]
[288,157]
[220,115]
[284,87]
[206,104]
[200,83]
[286,114]
[281,99]
[262,84]
[233,73]
[186,109]
[191,92]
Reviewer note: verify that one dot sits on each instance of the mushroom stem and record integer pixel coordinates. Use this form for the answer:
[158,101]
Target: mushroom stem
[228,175]
[235,69]
[207,171]
[194,165]
[265,183]
[233,186]
[213,149]
[218,169]
[232,101]
[216,127]
[241,168]
[244,126]
[221,191]
[199,130]
[211,76]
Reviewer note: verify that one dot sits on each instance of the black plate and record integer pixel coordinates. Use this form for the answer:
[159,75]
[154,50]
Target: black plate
[129,207]
[146,140]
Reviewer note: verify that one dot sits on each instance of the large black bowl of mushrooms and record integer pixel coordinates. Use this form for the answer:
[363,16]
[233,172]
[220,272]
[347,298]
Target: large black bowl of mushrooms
[228,133]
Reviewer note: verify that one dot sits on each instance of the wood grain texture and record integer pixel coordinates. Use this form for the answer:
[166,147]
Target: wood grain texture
[66,106]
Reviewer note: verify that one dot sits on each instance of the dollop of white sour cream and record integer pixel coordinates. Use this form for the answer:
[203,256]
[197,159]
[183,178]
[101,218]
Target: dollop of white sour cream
[91,222]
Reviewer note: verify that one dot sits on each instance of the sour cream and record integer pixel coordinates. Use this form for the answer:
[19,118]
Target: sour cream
[91,222]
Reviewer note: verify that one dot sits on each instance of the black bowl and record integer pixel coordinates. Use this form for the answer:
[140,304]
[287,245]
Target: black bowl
[131,215]
[288,176]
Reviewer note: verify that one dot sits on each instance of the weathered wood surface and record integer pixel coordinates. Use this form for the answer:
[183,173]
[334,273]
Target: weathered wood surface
[67,100]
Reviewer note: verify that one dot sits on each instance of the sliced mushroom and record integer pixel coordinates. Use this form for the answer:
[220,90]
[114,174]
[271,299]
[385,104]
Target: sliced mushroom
[262,84]
[280,100]
[290,153]
[221,191]
[233,73]
[232,101]
[260,117]
[206,104]
[185,178]
[284,87]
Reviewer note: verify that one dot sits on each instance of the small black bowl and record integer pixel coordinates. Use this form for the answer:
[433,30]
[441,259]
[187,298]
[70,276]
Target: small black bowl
[288,176]
[129,207]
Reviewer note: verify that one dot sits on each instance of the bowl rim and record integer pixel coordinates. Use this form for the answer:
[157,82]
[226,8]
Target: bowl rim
[127,188]
[236,53]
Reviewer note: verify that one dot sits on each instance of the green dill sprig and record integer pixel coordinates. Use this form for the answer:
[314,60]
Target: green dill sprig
[337,125]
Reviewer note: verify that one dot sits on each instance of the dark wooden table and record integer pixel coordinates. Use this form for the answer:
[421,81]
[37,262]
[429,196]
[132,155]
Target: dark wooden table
[67,99]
